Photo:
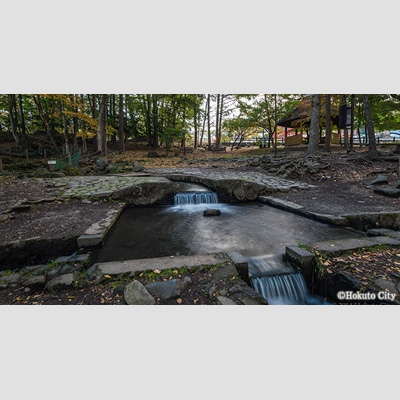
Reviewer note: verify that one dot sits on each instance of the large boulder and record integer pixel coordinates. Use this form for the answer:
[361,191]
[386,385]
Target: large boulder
[41,172]
[136,294]
[72,171]
[169,289]
[102,163]
[137,167]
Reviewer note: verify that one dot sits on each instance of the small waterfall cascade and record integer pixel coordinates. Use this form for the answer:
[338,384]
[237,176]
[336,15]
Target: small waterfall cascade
[282,289]
[192,198]
[278,282]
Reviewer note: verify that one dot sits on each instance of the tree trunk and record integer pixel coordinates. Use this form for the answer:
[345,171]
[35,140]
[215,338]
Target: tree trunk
[155,120]
[46,125]
[372,152]
[204,124]
[217,138]
[121,124]
[220,118]
[147,105]
[345,130]
[65,127]
[314,125]
[352,122]
[208,122]
[195,120]
[94,116]
[21,113]
[102,127]
[75,121]
[11,98]
[328,125]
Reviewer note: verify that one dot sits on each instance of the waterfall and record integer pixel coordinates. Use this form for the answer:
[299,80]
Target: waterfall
[191,198]
[282,289]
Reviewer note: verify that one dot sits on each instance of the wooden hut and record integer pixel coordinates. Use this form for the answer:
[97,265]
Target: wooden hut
[300,118]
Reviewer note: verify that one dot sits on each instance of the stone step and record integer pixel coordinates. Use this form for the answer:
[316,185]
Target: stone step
[115,268]
[333,247]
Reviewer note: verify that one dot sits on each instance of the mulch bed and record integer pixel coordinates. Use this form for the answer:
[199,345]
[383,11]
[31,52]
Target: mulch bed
[341,189]
[60,219]
[12,190]
[367,266]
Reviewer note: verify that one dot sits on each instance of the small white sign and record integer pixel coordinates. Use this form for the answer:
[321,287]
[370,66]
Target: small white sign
[51,162]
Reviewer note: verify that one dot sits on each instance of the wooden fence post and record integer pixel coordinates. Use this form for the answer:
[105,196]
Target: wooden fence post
[27,154]
[1,165]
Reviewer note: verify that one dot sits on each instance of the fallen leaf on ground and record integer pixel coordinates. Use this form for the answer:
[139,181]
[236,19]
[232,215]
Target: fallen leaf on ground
[157,271]
[107,276]
[179,301]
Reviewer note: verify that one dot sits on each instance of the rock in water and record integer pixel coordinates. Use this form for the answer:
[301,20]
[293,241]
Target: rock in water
[379,180]
[136,294]
[210,212]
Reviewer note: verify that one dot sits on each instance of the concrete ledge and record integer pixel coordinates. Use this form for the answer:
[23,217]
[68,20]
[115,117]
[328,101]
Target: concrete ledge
[298,209]
[370,220]
[383,232]
[96,233]
[327,218]
[333,247]
[115,268]
[241,265]
[303,259]
[284,204]
[299,255]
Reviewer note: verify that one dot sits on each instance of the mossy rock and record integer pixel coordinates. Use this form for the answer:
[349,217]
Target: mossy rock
[72,171]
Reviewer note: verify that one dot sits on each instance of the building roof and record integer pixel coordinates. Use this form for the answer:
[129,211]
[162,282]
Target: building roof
[301,115]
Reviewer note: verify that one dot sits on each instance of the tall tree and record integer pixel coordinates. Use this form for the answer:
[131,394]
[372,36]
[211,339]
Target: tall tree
[195,120]
[102,127]
[208,122]
[314,125]
[11,100]
[155,120]
[36,100]
[345,130]
[217,136]
[21,114]
[372,152]
[121,124]
[328,125]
